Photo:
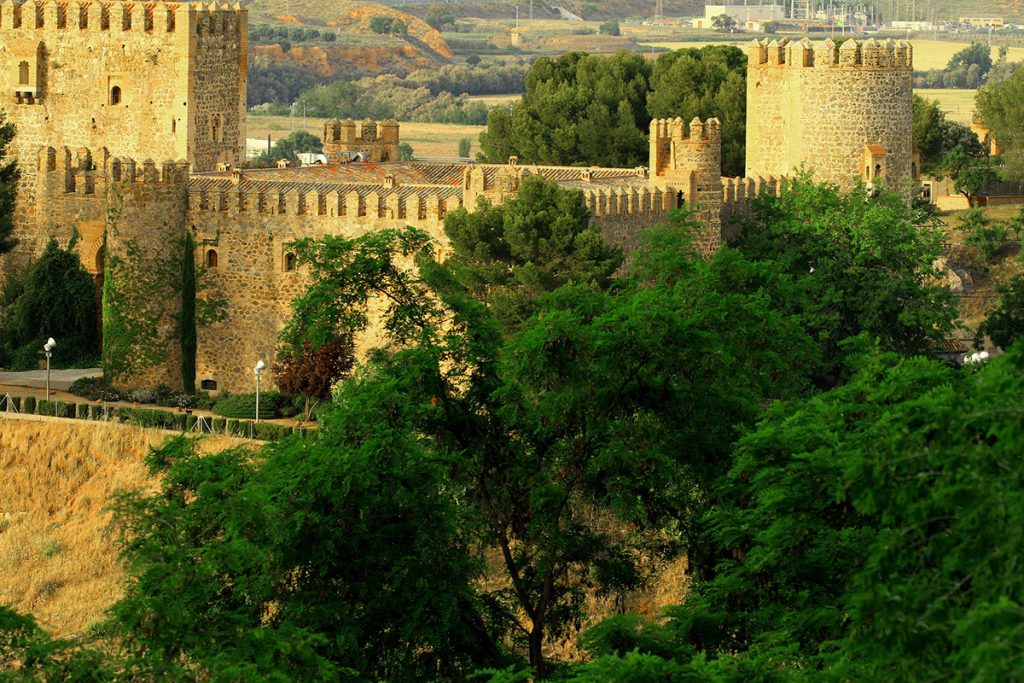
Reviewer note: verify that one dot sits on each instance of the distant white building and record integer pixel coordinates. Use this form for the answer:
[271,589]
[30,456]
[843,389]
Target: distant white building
[918,26]
[747,17]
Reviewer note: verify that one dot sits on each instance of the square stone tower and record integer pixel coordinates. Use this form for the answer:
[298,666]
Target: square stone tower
[160,81]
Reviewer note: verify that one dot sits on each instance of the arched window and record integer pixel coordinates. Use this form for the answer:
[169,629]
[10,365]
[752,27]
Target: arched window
[115,95]
[289,262]
[217,129]
[211,258]
[913,169]
[878,170]
[23,73]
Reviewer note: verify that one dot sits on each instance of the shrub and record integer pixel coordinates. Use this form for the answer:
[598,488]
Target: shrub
[140,396]
[231,427]
[218,425]
[94,389]
[244,405]
[82,411]
[15,404]
[190,422]
[95,412]
[29,405]
[270,432]
[145,417]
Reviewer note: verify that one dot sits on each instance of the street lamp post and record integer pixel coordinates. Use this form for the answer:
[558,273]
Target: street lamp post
[258,369]
[48,348]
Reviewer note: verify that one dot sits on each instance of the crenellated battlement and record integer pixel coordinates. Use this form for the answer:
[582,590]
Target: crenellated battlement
[90,15]
[408,203]
[375,141]
[700,131]
[628,201]
[742,190]
[90,172]
[867,54]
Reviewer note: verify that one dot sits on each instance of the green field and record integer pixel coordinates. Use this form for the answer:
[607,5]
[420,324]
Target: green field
[957,104]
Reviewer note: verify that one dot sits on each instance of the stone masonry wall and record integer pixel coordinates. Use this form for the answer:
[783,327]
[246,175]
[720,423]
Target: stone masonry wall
[117,204]
[125,76]
[251,248]
[813,105]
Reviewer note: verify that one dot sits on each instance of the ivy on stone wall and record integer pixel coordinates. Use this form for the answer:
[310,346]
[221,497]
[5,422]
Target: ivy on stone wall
[153,302]
[187,319]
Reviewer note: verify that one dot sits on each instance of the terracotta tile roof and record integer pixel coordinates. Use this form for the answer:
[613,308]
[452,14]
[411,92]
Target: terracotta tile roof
[875,150]
[368,176]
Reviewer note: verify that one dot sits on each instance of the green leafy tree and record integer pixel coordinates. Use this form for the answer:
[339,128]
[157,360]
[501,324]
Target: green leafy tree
[439,16]
[573,386]
[971,173]
[309,561]
[577,109]
[298,142]
[57,298]
[465,145]
[27,653]
[1000,107]
[508,255]
[975,54]
[723,23]
[928,122]
[610,28]
[380,24]
[405,152]
[855,264]
[705,82]
[1005,323]
[982,232]
[9,175]
[867,531]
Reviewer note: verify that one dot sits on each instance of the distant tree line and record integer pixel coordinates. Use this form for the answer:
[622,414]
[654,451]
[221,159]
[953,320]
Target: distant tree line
[263,34]
[278,84]
[969,68]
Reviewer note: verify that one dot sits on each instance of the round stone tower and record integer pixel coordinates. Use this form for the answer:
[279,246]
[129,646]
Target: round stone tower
[844,113]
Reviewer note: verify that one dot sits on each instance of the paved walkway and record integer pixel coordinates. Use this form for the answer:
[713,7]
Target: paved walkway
[36,379]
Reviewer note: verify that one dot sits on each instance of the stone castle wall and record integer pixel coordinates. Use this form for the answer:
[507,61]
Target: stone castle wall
[816,106]
[142,80]
[250,234]
[128,212]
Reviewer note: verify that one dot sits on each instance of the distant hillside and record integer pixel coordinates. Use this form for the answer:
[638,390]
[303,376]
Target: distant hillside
[592,9]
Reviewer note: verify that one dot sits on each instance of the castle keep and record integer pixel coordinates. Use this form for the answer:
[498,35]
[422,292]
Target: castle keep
[110,88]
[142,80]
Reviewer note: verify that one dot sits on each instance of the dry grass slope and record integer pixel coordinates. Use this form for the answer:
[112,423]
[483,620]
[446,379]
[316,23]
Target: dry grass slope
[57,558]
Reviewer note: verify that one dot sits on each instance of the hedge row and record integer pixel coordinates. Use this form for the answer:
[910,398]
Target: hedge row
[145,417]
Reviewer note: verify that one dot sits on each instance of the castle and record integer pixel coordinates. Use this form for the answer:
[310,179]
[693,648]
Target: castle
[99,91]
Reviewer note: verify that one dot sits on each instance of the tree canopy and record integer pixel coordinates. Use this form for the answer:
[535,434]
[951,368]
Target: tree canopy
[1001,108]
[55,297]
[596,110]
[9,175]
[865,533]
